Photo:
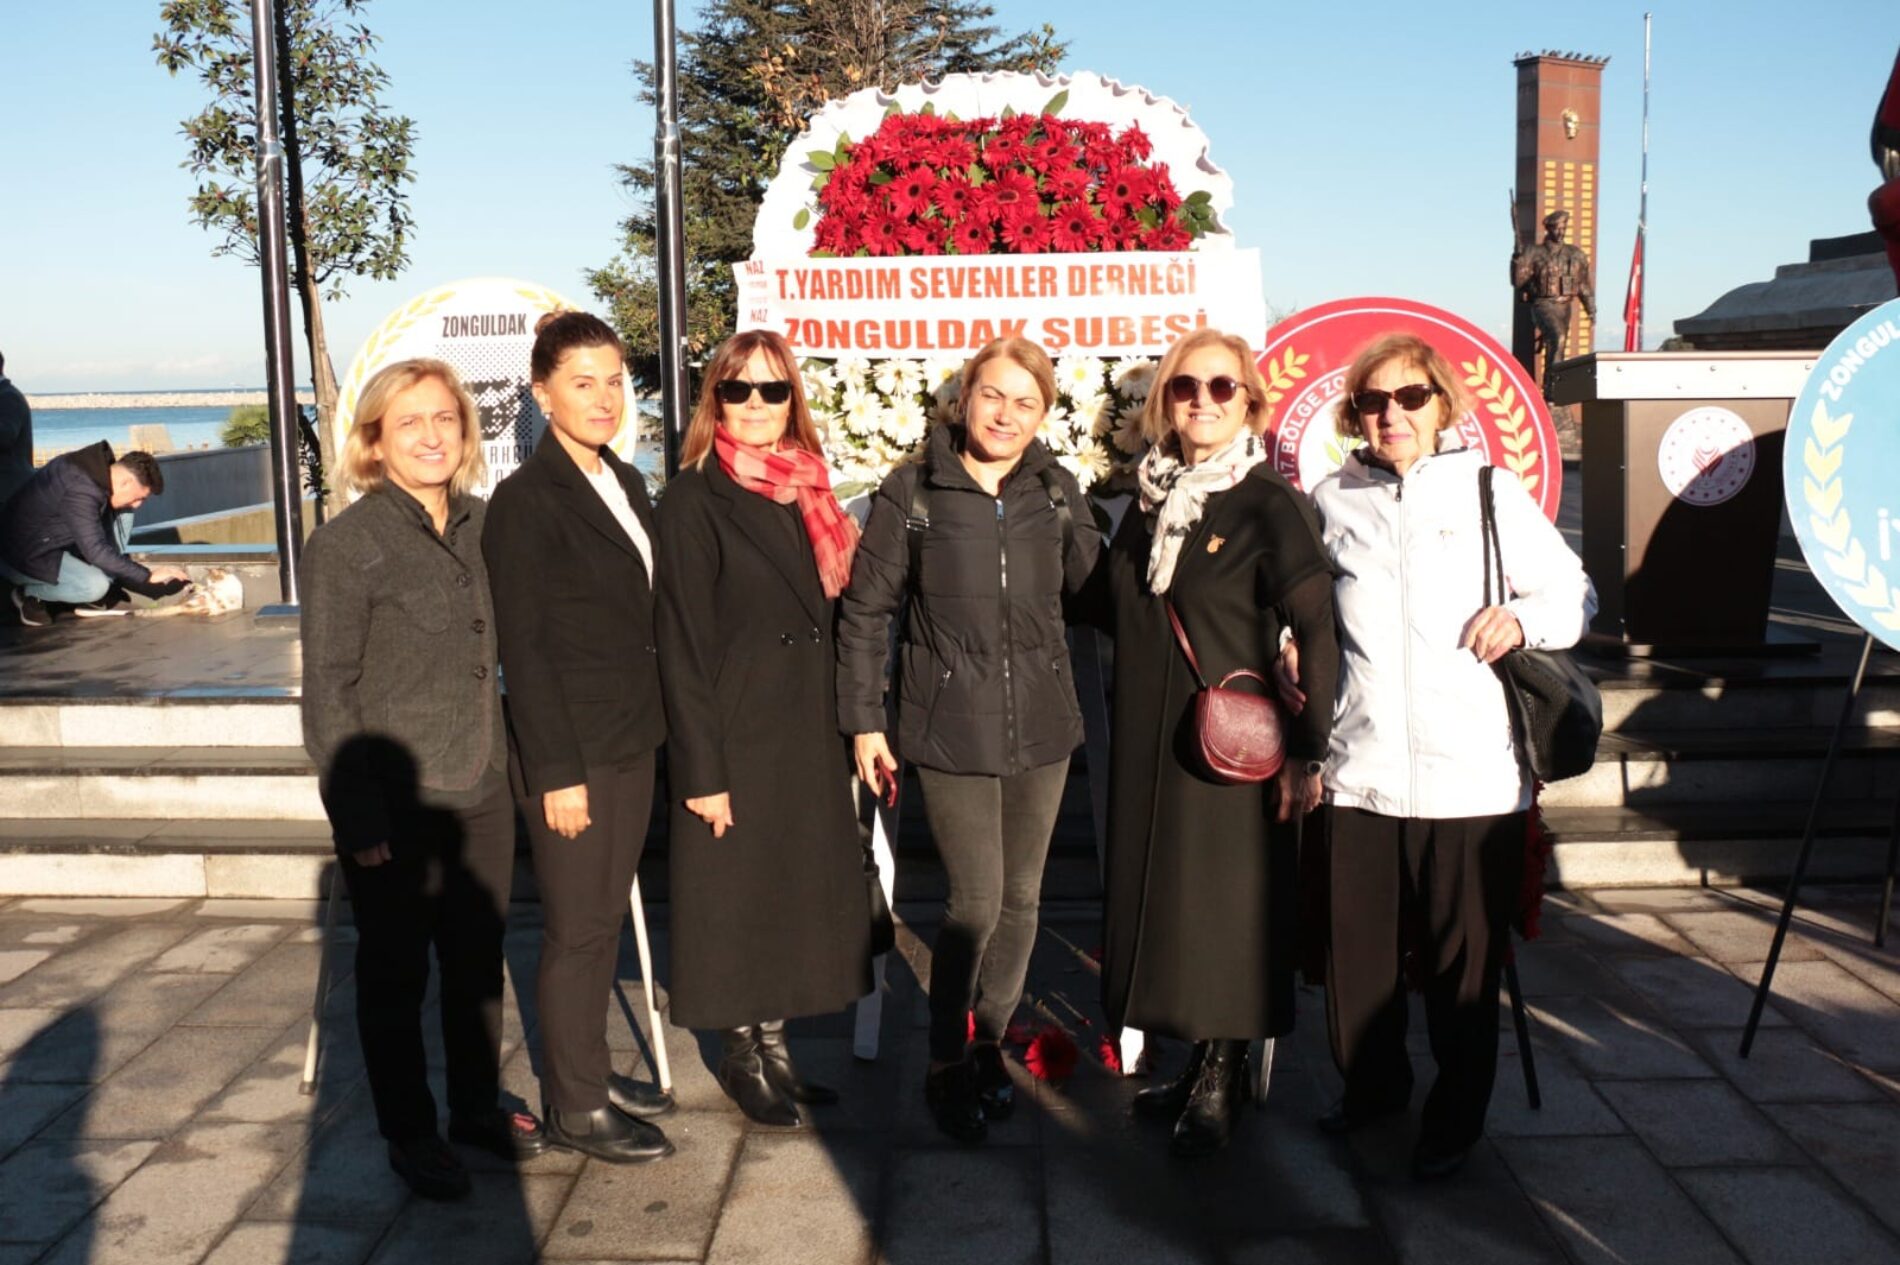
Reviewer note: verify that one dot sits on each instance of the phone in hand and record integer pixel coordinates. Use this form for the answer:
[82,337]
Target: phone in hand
[886,785]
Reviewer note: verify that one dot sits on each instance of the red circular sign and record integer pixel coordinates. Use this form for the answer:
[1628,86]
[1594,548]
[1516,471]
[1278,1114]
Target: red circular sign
[1305,367]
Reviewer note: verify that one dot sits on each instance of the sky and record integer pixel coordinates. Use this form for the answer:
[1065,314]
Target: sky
[1371,147]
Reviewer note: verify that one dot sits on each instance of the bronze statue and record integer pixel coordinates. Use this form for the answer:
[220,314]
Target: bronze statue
[1552,277]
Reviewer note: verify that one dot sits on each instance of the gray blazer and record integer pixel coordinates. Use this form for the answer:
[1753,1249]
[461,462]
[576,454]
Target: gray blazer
[401,698]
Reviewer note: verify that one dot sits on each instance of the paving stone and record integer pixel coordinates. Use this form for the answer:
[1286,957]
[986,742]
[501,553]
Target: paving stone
[1609,1203]
[1622,933]
[1114,1205]
[947,1207]
[500,1223]
[220,950]
[307,912]
[1698,1123]
[1849,1017]
[29,1107]
[1859,1143]
[47,1186]
[1784,1065]
[281,1243]
[1557,970]
[21,930]
[1735,935]
[1878,968]
[92,966]
[17,962]
[86,907]
[271,992]
[799,1198]
[1694,992]
[1789,1216]
[93,1041]
[1662,900]
[163,1088]
[1607,1042]
[342,1175]
[1314,1247]
[17,1027]
[1480,1216]
[267,1092]
[1571,1107]
[667,1208]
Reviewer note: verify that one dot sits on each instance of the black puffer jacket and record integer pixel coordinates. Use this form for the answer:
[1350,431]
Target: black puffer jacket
[984,683]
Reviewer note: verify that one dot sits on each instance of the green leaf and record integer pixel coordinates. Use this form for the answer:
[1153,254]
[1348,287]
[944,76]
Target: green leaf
[1148,217]
[823,254]
[844,143]
[822,159]
[1008,113]
[803,218]
[880,178]
[952,117]
[978,177]
[1057,102]
[893,108]
[930,108]
[1200,197]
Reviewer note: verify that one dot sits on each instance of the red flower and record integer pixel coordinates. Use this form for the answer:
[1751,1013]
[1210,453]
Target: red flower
[1028,235]
[971,237]
[1121,234]
[1074,227]
[1135,141]
[1124,189]
[884,235]
[919,240]
[1013,195]
[952,195]
[910,192]
[1001,150]
[1064,183]
[1111,1057]
[1052,1056]
[1167,235]
[1163,190]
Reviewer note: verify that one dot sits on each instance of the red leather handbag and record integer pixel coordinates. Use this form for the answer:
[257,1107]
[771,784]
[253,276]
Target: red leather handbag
[1240,735]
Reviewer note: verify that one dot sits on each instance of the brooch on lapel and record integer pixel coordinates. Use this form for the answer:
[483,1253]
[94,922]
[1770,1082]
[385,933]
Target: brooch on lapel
[1215,542]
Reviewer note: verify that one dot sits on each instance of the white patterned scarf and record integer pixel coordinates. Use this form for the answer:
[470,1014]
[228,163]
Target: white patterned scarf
[1176,494]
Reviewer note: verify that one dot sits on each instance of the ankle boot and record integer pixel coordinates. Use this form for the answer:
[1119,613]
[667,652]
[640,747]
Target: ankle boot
[742,1075]
[995,1091]
[779,1069]
[1207,1121]
[1170,1097]
[950,1093]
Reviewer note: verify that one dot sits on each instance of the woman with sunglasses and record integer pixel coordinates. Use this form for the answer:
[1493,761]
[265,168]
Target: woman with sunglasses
[1427,796]
[1201,873]
[982,538]
[770,913]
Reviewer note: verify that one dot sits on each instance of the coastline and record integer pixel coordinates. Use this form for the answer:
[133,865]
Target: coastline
[158,399]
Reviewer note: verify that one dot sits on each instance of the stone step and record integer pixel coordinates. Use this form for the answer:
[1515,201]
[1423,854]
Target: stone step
[1694,702]
[1714,844]
[238,718]
[158,783]
[1724,766]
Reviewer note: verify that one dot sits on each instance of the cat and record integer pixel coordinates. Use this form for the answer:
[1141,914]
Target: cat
[218,593]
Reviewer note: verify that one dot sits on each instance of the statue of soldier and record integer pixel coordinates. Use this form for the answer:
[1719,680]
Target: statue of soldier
[1553,277]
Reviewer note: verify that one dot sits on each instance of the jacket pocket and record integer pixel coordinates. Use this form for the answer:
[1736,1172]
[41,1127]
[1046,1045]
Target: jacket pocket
[427,605]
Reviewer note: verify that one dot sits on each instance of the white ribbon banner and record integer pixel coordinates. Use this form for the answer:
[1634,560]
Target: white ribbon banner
[1132,303]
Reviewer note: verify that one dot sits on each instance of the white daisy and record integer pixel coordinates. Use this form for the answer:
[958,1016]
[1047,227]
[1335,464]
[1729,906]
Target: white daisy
[1127,435]
[1079,377]
[1134,378]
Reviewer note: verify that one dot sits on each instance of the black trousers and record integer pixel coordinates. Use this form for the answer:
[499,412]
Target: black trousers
[993,836]
[1443,891]
[584,883]
[446,885]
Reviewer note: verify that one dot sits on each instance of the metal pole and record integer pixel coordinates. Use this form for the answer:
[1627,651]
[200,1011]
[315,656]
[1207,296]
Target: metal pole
[671,243]
[286,480]
[1642,204]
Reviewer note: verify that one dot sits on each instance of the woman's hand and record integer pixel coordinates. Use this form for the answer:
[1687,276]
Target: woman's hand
[873,753]
[1286,677]
[367,857]
[566,810]
[1491,632]
[1299,790]
[714,810]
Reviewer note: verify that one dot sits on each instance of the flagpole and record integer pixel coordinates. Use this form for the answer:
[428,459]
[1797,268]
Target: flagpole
[1642,204]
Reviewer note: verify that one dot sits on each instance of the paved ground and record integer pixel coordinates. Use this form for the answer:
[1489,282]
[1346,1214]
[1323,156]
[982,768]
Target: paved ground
[149,1056]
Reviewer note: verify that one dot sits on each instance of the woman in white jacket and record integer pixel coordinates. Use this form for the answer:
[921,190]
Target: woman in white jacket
[1427,794]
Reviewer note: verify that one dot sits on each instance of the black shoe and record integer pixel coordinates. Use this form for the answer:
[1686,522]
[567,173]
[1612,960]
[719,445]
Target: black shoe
[1342,1119]
[32,611]
[512,1136]
[742,1075]
[638,1099]
[607,1135]
[1170,1098]
[995,1091]
[430,1167]
[779,1069]
[1430,1164]
[1207,1121]
[950,1092]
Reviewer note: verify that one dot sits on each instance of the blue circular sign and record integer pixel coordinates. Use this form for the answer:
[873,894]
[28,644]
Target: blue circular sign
[1841,471]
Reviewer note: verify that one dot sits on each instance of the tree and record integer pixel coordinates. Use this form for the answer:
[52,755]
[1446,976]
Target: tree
[246,424]
[749,78]
[346,157]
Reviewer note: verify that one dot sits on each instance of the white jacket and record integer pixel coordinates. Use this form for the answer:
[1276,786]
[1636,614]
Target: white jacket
[1420,727]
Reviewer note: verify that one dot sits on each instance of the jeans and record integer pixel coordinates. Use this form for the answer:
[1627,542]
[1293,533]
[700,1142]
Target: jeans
[79,581]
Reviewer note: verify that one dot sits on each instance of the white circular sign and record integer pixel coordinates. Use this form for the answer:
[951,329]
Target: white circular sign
[1706,456]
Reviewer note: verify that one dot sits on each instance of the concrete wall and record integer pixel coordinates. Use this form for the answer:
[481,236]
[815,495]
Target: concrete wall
[208,481]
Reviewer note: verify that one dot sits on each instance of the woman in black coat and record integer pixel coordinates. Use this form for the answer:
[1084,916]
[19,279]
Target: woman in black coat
[569,544]
[983,538]
[402,717]
[770,910]
[1201,873]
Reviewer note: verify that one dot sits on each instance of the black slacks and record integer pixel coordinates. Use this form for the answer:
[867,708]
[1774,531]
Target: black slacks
[446,884]
[584,883]
[1442,890]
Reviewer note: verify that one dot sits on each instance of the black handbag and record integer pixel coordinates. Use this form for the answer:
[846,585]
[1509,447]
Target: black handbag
[1556,711]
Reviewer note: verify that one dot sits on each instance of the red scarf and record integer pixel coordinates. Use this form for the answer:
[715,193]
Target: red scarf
[793,474]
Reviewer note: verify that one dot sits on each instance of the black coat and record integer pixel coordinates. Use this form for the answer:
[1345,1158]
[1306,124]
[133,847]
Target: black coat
[984,682]
[574,607]
[66,508]
[16,439]
[773,919]
[1199,930]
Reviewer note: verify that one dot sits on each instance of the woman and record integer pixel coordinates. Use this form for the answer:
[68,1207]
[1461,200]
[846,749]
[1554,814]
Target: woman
[983,537]
[1201,873]
[569,544]
[1428,796]
[770,911]
[402,717]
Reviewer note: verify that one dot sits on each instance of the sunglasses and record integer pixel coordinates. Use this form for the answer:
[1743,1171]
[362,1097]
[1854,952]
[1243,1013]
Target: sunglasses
[1183,387]
[1412,396]
[738,391]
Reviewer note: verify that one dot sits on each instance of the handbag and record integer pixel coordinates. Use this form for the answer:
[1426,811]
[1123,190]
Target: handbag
[1556,711]
[1240,735]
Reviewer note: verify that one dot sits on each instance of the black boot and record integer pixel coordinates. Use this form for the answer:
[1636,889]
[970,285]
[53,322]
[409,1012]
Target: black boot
[950,1093]
[1219,1088]
[430,1167]
[742,1075]
[779,1069]
[607,1135]
[1170,1097]
[995,1091]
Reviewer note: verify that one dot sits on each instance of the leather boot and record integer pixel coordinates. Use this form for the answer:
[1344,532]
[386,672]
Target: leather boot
[742,1075]
[1208,1120]
[779,1069]
[950,1093]
[994,1089]
[607,1135]
[1170,1098]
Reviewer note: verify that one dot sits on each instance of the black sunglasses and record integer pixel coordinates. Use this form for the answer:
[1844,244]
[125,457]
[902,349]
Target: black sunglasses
[1413,395]
[738,391]
[1183,387]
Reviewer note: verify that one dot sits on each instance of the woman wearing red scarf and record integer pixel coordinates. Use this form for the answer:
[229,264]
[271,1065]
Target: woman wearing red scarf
[771,917]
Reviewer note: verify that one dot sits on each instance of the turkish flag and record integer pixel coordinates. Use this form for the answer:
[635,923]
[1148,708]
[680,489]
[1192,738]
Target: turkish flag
[1633,299]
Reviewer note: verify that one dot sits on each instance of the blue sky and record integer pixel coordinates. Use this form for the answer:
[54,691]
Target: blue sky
[1370,145]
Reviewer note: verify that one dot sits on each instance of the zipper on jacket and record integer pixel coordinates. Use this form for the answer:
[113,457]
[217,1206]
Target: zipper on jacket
[1009,687]
[1405,631]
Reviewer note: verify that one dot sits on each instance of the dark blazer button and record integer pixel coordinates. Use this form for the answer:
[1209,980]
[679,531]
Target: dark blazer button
[787,639]
[653,650]
[481,674]
[462,580]
[479,625]
[816,635]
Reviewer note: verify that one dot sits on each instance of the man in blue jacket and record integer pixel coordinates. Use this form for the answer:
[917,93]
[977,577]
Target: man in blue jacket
[16,437]
[63,536]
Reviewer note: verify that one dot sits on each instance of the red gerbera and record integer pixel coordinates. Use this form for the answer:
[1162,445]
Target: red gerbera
[921,240]
[1052,1056]
[910,192]
[1027,235]
[1074,227]
[1124,189]
[1161,187]
[952,196]
[1013,195]
[884,235]
[1110,1056]
[1167,235]
[1121,234]
[970,237]
[1001,150]
[1135,141]
[1064,183]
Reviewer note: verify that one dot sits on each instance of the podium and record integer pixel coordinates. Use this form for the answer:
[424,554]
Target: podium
[1682,498]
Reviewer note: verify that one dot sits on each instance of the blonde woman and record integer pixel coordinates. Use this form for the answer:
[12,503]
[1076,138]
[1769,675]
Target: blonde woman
[402,714]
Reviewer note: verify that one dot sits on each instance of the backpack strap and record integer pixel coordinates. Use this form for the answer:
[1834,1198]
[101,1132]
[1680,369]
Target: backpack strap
[1059,501]
[916,523]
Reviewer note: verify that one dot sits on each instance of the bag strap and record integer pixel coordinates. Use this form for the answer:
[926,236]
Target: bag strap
[916,523]
[1493,550]
[1180,635]
[1059,502]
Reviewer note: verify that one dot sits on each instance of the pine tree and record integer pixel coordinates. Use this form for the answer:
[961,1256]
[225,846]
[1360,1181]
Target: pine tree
[749,77]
